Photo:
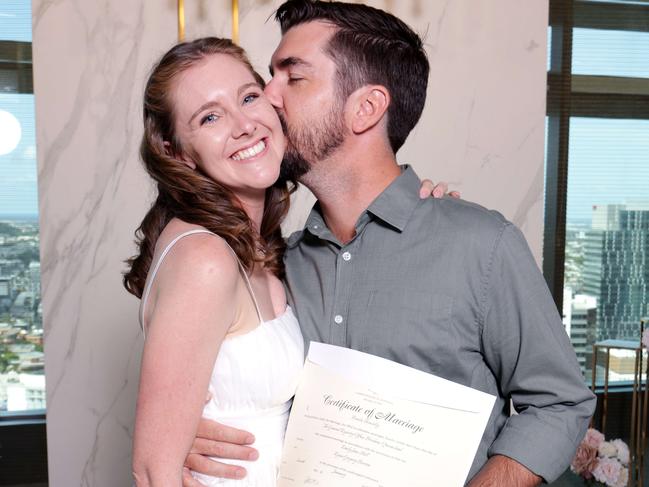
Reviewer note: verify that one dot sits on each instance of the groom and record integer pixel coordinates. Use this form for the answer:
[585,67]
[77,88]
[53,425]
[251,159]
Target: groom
[444,286]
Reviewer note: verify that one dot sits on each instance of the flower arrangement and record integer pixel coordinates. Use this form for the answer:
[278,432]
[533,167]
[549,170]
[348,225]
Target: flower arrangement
[600,462]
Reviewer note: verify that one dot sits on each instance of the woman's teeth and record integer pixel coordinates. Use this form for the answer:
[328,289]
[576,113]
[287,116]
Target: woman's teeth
[250,152]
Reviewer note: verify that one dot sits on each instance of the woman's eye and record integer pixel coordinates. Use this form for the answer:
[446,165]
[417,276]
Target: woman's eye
[250,98]
[209,118]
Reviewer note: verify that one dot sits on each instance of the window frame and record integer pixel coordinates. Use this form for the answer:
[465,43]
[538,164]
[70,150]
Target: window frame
[570,95]
[23,437]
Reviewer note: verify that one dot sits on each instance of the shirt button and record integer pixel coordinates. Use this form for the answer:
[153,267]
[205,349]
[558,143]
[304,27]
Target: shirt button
[347,256]
[338,319]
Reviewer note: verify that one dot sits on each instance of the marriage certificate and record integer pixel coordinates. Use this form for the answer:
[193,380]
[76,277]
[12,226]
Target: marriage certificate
[363,421]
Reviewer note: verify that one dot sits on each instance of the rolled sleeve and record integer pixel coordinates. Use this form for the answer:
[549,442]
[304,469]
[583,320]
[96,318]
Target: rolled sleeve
[526,347]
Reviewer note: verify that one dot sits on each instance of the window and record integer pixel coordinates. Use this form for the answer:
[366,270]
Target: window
[22,379]
[596,249]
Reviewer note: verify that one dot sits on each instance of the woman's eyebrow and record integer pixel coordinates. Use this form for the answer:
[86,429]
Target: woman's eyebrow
[243,88]
[204,106]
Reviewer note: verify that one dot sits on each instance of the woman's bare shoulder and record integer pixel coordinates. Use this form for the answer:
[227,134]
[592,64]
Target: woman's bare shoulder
[202,257]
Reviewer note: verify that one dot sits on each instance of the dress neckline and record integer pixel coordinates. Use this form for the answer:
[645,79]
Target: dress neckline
[263,324]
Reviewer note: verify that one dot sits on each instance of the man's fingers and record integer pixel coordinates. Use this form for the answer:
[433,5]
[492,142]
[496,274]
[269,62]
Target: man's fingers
[426,188]
[440,190]
[199,463]
[226,434]
[455,194]
[219,449]
[189,481]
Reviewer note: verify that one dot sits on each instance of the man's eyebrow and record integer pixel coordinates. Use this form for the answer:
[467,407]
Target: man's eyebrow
[288,61]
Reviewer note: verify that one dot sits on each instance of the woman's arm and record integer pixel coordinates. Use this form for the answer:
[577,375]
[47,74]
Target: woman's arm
[193,309]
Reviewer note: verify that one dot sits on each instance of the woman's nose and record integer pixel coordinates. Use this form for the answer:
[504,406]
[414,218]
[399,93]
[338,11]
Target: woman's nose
[243,125]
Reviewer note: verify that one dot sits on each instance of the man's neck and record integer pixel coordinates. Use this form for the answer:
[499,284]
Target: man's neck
[346,187]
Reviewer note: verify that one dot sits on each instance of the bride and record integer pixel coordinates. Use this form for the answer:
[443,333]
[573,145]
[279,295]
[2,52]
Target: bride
[210,263]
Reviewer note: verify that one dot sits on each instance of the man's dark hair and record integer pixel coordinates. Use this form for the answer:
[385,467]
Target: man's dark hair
[370,46]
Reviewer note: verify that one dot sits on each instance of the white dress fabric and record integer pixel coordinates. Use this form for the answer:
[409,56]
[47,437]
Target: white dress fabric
[252,386]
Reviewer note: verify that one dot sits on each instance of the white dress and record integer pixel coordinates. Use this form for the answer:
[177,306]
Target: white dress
[252,386]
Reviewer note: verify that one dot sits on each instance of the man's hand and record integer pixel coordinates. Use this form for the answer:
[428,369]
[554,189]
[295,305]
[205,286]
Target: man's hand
[502,471]
[438,190]
[218,440]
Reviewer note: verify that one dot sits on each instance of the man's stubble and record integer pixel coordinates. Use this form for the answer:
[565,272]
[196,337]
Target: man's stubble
[311,142]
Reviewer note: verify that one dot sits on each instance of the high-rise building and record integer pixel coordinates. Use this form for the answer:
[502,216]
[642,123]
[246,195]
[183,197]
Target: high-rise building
[580,319]
[616,268]
[35,278]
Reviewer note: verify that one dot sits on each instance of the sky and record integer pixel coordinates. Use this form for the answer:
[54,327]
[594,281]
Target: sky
[18,193]
[608,161]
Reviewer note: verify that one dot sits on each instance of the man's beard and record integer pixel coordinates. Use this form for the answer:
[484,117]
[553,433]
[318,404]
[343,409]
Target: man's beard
[314,141]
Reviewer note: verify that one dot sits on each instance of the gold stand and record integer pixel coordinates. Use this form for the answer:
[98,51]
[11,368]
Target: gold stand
[639,401]
[181,20]
[235,21]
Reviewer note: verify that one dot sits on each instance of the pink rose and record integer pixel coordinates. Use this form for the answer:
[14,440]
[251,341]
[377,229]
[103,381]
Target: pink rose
[607,449]
[623,479]
[607,471]
[593,438]
[622,451]
[585,460]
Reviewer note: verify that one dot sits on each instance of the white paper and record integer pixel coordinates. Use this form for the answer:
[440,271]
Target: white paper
[362,421]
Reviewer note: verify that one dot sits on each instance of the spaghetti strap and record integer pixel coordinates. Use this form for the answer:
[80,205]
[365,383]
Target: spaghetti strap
[164,253]
[248,284]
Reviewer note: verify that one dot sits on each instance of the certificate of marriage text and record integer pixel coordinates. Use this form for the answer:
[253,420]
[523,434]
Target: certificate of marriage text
[362,421]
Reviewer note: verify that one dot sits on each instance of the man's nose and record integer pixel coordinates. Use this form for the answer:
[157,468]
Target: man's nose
[273,94]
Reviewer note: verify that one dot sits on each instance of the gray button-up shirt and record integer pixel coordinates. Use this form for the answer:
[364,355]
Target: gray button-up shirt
[450,288]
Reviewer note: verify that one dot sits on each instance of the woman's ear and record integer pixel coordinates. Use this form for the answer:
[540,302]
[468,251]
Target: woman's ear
[369,104]
[186,161]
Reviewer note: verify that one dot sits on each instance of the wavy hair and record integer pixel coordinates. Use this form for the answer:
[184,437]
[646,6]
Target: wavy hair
[189,194]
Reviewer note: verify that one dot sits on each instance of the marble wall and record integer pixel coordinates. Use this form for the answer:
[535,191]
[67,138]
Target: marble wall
[482,131]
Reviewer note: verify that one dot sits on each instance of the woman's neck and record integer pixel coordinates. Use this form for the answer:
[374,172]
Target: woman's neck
[254,206]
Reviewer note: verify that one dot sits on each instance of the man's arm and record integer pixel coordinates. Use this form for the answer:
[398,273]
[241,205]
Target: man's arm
[502,471]
[527,349]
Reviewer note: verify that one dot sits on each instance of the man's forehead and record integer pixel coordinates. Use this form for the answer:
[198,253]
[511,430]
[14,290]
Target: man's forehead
[303,40]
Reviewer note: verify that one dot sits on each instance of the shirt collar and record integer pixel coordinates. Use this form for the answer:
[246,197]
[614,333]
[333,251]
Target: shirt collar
[315,223]
[397,202]
[394,205]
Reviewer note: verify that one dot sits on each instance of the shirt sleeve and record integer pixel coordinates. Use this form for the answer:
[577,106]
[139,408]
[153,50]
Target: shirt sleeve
[528,350]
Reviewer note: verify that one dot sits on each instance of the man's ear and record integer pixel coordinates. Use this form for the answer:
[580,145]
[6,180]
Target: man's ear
[185,160]
[369,105]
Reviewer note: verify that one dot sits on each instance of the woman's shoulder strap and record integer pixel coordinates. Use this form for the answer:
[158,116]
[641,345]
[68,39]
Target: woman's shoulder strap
[158,263]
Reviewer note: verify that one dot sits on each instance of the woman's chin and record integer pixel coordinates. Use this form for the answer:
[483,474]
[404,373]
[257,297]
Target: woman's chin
[266,178]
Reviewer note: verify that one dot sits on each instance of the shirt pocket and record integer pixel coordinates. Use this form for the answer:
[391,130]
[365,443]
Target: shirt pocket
[412,327]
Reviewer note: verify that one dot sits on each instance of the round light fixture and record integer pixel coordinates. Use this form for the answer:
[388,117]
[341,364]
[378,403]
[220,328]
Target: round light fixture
[10,132]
